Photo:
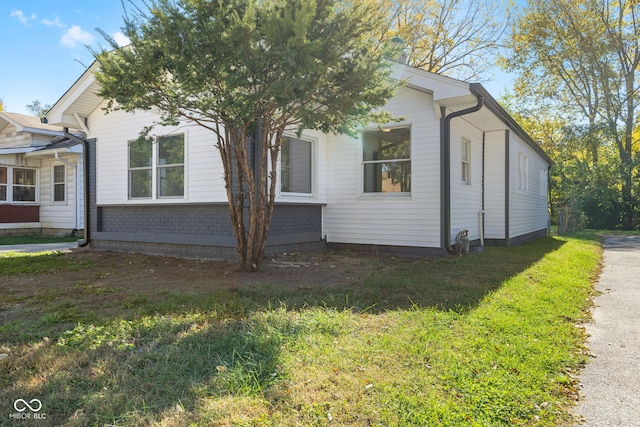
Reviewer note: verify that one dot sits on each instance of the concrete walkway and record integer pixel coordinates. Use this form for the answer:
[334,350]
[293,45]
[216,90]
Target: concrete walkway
[39,247]
[610,383]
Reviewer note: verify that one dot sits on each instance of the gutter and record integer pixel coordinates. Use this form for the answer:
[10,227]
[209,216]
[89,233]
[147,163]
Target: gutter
[85,160]
[445,166]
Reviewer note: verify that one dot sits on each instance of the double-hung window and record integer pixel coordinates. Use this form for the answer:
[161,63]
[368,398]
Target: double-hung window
[523,171]
[466,162]
[24,185]
[156,164]
[4,183]
[18,184]
[59,183]
[296,166]
[386,160]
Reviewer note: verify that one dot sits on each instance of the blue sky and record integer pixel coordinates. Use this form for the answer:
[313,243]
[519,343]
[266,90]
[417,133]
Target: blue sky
[43,48]
[44,51]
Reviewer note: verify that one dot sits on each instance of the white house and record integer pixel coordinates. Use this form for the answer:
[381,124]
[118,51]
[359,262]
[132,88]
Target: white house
[40,178]
[457,161]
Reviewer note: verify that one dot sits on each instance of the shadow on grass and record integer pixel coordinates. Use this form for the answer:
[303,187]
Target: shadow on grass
[447,283]
[165,361]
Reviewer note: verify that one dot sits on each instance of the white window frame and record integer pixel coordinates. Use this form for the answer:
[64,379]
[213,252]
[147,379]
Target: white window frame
[465,162]
[155,168]
[9,186]
[312,171]
[363,163]
[523,172]
[543,182]
[54,183]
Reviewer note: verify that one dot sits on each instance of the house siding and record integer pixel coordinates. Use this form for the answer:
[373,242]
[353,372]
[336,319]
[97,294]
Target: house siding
[494,207]
[392,219]
[61,216]
[527,208]
[197,225]
[466,200]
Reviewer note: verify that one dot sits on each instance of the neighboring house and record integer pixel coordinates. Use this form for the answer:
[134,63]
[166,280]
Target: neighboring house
[40,175]
[457,161]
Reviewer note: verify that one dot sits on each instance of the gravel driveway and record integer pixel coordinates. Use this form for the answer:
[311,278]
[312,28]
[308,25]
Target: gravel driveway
[610,383]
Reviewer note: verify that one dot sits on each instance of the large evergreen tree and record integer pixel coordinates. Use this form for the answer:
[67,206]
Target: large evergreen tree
[248,70]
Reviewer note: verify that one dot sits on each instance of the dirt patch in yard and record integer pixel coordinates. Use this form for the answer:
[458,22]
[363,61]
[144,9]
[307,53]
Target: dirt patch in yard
[105,279]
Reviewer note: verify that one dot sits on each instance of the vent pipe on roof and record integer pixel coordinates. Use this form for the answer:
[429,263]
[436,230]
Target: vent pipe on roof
[445,167]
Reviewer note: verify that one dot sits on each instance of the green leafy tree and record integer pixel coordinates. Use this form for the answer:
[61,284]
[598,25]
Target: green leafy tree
[37,109]
[247,70]
[585,57]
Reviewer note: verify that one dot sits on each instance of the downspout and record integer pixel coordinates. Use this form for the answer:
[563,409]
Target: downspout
[85,160]
[445,167]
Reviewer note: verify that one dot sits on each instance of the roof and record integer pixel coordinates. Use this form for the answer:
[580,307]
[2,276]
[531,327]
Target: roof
[24,123]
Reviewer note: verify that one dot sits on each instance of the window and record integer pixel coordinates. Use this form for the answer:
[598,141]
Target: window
[171,166]
[3,184]
[295,166]
[162,162]
[466,162]
[387,160]
[523,171]
[24,185]
[18,184]
[59,183]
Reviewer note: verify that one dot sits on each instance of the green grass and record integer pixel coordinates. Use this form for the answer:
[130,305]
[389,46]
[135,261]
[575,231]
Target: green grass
[28,240]
[37,263]
[490,339]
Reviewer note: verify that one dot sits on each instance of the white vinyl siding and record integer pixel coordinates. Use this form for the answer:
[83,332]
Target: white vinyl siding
[352,216]
[494,185]
[69,214]
[466,197]
[527,210]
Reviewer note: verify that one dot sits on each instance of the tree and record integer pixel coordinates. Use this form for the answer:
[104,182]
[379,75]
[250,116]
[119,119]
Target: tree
[458,38]
[1,105]
[37,109]
[248,70]
[585,55]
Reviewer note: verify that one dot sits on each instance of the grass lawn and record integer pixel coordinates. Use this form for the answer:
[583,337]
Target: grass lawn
[493,339]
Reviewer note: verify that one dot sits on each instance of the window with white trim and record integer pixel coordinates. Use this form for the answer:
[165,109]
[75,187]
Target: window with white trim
[466,162]
[296,166]
[523,171]
[18,184]
[4,184]
[160,162]
[543,182]
[386,159]
[59,180]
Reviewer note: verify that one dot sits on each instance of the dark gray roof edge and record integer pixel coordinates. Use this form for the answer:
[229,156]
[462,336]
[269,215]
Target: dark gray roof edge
[493,105]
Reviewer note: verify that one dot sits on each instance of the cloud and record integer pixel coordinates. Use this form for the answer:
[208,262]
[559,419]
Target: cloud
[56,22]
[75,36]
[121,39]
[20,16]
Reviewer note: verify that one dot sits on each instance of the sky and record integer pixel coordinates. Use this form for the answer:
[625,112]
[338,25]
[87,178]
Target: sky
[43,47]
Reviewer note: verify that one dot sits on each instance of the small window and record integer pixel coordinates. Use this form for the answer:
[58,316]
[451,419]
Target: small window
[523,171]
[140,161]
[171,166]
[543,182]
[387,160]
[3,184]
[466,162]
[296,166]
[24,185]
[59,183]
